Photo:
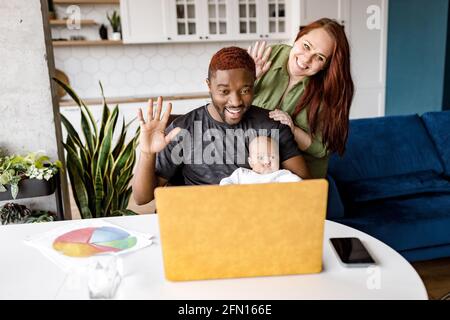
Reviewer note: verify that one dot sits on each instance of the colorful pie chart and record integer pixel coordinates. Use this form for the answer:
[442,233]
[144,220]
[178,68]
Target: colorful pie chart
[87,242]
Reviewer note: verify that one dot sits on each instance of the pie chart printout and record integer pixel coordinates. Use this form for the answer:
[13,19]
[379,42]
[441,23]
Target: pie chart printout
[87,242]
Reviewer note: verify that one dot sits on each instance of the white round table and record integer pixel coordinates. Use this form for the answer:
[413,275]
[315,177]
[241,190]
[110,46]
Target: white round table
[27,274]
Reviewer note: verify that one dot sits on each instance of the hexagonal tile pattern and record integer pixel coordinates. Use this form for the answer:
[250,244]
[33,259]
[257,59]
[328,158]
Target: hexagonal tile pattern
[90,65]
[174,62]
[189,61]
[134,78]
[141,63]
[158,63]
[116,79]
[124,64]
[72,65]
[133,51]
[167,77]
[165,50]
[97,52]
[148,50]
[196,48]
[107,64]
[151,78]
[115,51]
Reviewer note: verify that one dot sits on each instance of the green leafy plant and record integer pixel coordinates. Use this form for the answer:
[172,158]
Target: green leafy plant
[34,165]
[99,172]
[16,213]
[114,20]
[37,216]
[13,213]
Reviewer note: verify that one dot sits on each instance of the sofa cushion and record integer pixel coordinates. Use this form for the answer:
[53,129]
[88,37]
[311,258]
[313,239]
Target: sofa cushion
[438,126]
[390,187]
[335,208]
[405,223]
[385,147]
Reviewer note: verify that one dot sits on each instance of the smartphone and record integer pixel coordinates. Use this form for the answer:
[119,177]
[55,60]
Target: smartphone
[351,252]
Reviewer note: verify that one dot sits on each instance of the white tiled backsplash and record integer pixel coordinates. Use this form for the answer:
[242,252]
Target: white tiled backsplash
[137,70]
[131,70]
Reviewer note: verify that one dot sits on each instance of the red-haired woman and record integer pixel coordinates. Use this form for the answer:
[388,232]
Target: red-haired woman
[309,88]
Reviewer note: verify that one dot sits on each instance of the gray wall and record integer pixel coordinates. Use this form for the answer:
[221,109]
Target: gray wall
[29,121]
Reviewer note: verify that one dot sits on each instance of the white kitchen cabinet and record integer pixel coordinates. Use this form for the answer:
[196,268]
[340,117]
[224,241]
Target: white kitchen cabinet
[156,21]
[183,20]
[275,19]
[218,24]
[144,21]
[199,20]
[261,19]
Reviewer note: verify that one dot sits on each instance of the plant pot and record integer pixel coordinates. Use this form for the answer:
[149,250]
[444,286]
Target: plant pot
[116,36]
[30,188]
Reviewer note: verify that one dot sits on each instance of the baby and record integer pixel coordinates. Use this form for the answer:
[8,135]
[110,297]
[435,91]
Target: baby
[265,163]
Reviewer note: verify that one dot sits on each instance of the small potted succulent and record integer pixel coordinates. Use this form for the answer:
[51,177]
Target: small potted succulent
[114,20]
[26,176]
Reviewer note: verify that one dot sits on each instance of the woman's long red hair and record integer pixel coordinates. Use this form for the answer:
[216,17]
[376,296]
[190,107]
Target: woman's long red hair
[330,90]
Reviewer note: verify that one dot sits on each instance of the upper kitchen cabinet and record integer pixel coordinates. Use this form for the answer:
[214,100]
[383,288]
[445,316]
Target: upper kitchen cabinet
[184,20]
[144,21]
[150,21]
[199,20]
[274,20]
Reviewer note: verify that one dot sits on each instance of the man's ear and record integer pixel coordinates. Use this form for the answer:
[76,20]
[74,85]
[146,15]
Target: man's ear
[208,83]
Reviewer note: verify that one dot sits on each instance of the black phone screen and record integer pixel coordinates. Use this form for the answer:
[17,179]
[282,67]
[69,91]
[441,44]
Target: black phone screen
[351,251]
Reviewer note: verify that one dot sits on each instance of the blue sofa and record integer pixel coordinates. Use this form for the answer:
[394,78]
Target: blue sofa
[393,183]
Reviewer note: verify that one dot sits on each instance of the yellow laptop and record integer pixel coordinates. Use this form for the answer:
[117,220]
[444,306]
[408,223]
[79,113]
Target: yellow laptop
[214,232]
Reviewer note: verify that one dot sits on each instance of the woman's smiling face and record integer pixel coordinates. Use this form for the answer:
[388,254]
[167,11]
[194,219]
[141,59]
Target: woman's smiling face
[310,53]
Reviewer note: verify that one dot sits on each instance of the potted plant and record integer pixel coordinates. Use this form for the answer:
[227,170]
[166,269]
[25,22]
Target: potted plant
[114,20]
[51,10]
[99,172]
[13,213]
[37,216]
[27,176]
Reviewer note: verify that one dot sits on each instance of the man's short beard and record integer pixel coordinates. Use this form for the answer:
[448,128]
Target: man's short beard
[221,114]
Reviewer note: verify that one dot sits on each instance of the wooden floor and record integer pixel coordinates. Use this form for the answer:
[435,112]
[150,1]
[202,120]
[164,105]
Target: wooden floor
[434,273]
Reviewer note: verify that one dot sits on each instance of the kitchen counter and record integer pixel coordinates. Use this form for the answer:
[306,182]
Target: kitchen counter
[135,99]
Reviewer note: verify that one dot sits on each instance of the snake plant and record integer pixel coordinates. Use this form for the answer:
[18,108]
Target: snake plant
[99,172]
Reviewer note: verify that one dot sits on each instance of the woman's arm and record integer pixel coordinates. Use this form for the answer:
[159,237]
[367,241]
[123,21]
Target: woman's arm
[297,165]
[302,138]
[306,143]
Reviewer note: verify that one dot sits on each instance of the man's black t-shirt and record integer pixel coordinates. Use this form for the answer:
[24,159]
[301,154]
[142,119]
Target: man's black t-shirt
[207,150]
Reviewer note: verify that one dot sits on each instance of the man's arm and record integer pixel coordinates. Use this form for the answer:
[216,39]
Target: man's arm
[297,165]
[152,140]
[145,181]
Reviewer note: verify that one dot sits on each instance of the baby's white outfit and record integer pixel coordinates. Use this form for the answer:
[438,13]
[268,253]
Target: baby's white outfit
[248,176]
